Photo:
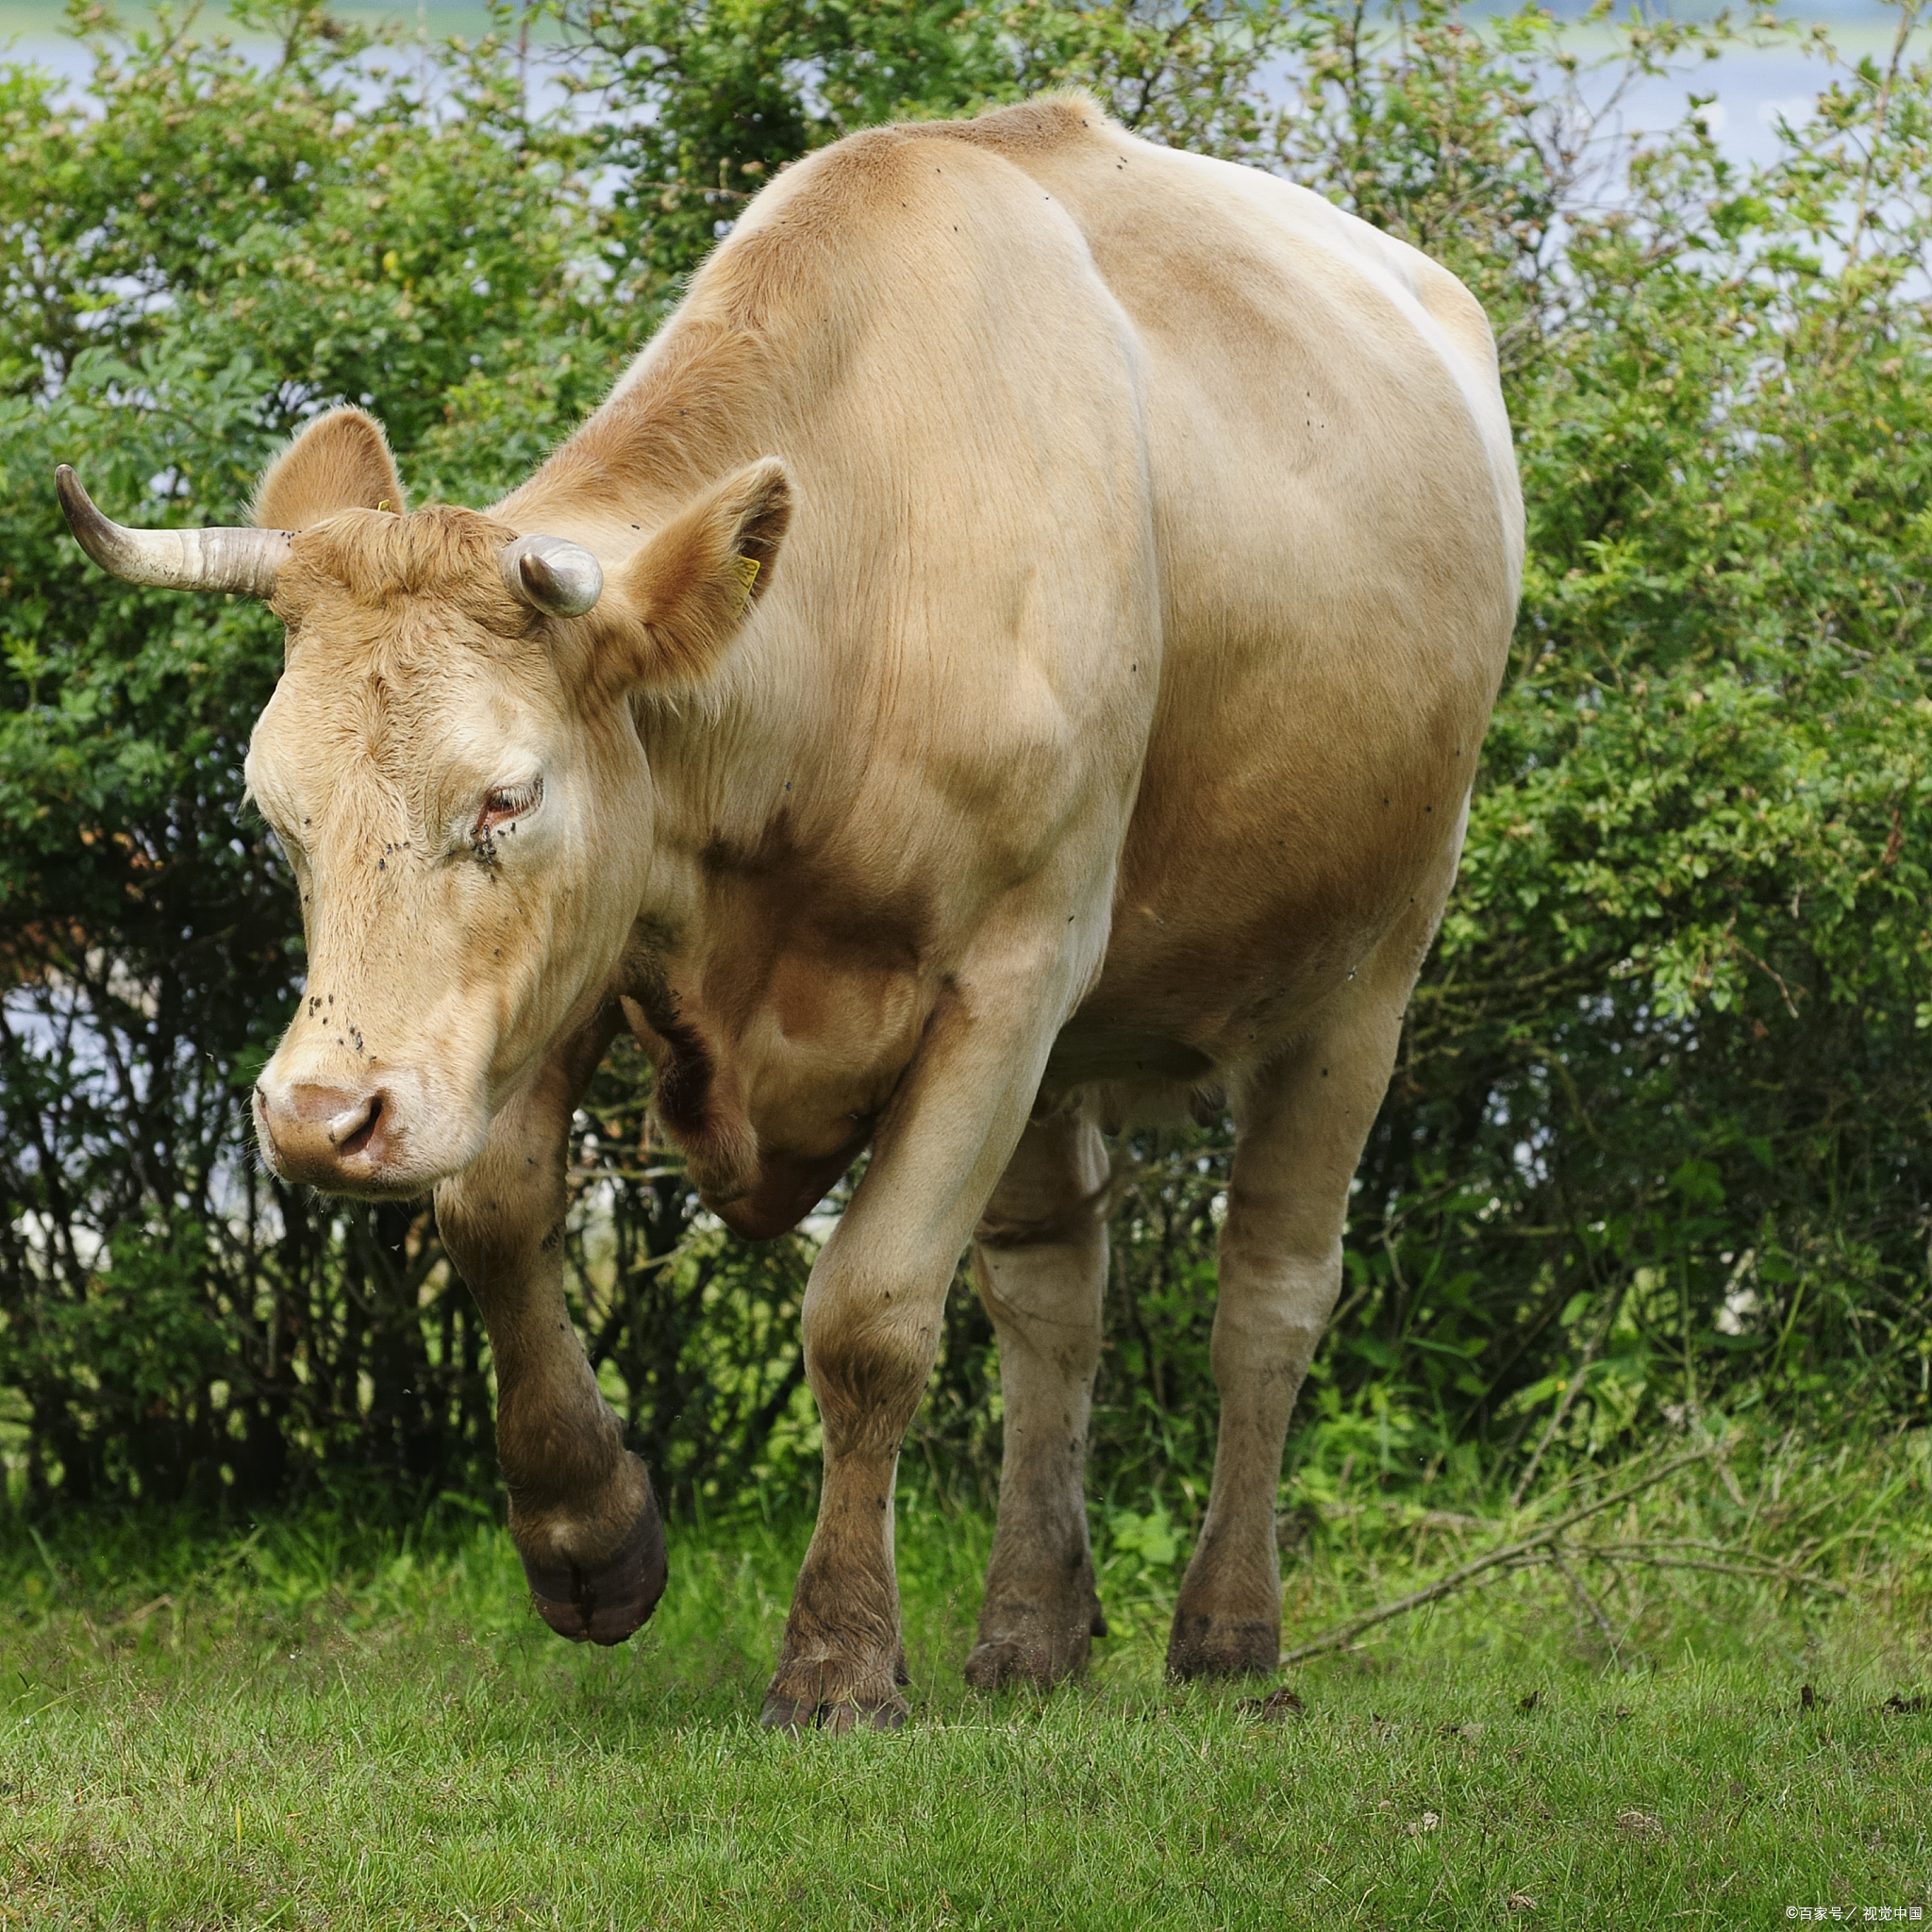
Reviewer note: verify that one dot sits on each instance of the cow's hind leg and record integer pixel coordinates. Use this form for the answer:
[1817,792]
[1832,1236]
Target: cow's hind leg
[1041,1263]
[1300,1126]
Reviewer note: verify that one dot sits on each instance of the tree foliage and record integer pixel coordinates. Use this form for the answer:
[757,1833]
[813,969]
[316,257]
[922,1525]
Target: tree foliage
[1658,1139]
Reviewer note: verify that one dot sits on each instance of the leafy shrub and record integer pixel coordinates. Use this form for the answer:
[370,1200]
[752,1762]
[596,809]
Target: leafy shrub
[1656,1141]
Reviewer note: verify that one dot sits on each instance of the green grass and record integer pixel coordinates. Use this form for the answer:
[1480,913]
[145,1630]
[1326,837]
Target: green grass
[317,1726]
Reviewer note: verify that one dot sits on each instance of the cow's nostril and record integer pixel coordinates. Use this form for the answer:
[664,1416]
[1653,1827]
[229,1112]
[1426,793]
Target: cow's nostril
[351,1130]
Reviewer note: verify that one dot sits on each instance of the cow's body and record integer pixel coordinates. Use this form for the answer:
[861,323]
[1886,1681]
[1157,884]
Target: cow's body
[1146,512]
[1103,734]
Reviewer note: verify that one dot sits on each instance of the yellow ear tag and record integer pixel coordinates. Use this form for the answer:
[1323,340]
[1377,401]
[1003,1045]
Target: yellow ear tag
[383,506]
[746,569]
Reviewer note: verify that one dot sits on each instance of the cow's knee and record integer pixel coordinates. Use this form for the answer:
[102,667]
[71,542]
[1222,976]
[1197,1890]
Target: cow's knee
[867,1367]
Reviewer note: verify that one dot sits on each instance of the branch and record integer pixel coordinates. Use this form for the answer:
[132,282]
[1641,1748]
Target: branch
[1584,1597]
[1665,1555]
[1511,1554]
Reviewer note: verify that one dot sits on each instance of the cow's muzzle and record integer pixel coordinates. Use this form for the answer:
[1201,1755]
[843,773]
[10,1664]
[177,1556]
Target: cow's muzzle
[341,1140]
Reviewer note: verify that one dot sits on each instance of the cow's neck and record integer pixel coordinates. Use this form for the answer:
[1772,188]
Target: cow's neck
[777,979]
[787,954]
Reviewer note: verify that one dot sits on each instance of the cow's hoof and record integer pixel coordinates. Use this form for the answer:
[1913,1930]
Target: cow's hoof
[1205,1644]
[1000,1662]
[1032,1644]
[796,1714]
[825,1695]
[605,1603]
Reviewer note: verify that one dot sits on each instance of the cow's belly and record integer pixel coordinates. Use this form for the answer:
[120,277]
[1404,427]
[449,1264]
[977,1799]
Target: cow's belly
[1190,1003]
[1239,919]
[1091,1049]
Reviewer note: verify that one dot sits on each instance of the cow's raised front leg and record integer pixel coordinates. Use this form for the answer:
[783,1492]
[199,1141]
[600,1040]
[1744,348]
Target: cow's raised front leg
[1041,1264]
[1300,1126]
[871,1321]
[581,1511]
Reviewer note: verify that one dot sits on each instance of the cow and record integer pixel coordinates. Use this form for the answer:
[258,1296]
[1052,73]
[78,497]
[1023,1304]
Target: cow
[1007,658]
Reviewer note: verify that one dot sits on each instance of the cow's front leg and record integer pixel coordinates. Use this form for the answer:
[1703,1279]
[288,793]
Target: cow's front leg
[872,1321]
[869,1348]
[581,1511]
[1041,1263]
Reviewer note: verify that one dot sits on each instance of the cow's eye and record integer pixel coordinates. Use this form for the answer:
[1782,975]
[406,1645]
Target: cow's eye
[506,803]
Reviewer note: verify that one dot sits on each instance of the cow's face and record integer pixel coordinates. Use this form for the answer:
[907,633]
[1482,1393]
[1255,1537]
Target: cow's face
[434,767]
[450,763]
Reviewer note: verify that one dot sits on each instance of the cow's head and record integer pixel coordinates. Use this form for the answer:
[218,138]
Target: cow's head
[450,762]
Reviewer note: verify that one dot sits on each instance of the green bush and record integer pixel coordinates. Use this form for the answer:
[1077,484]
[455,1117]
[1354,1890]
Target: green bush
[1658,1139]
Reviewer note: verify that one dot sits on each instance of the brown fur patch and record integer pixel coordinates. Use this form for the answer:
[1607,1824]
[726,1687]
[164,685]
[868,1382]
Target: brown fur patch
[721,1150]
[684,1080]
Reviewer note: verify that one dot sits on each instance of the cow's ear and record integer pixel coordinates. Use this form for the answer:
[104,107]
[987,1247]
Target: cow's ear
[687,591]
[341,461]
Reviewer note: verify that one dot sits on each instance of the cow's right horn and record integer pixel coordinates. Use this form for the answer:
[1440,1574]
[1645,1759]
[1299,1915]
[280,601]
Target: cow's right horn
[207,559]
[552,574]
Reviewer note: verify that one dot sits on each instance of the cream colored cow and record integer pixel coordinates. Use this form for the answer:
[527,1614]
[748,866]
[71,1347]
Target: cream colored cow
[1014,650]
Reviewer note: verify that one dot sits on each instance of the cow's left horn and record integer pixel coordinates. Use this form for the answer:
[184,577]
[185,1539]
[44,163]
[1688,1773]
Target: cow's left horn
[208,560]
[552,574]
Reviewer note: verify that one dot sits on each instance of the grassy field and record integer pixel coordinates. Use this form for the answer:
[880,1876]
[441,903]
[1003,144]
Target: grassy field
[314,1725]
